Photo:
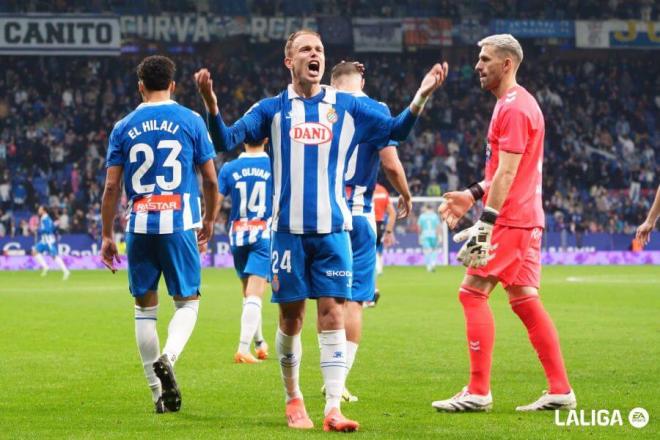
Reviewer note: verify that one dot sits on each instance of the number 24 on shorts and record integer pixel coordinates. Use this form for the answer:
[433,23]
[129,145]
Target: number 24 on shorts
[284,263]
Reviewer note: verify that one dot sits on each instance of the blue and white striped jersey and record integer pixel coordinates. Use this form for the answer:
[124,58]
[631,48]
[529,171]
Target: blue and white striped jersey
[46,231]
[363,166]
[311,141]
[249,182]
[158,145]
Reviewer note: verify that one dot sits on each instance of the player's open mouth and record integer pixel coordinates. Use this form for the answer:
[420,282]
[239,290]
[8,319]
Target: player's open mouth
[314,67]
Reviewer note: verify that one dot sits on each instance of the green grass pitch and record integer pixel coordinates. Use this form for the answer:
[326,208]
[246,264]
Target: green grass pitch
[69,366]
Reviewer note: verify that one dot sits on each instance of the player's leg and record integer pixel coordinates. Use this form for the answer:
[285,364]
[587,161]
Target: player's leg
[259,269]
[250,317]
[526,303]
[179,258]
[480,330]
[143,276]
[290,289]
[331,274]
[250,312]
[353,326]
[60,262]
[36,253]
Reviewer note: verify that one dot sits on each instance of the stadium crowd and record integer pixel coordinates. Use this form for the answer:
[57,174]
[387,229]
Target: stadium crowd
[601,154]
[474,9]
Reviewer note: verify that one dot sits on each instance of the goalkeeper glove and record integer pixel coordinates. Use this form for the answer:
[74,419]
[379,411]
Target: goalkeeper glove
[477,250]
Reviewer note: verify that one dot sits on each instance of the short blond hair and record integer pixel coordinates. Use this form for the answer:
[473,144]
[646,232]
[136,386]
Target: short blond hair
[504,43]
[293,36]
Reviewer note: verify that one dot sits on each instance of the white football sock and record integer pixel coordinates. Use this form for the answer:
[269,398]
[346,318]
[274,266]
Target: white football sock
[60,263]
[148,345]
[259,334]
[351,350]
[249,322]
[289,352]
[42,262]
[333,366]
[180,328]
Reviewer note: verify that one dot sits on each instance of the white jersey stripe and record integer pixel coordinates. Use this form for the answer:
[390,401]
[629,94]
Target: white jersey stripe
[140,226]
[297,171]
[166,225]
[323,208]
[276,143]
[187,212]
[352,164]
[347,132]
[358,199]
[199,214]
[240,237]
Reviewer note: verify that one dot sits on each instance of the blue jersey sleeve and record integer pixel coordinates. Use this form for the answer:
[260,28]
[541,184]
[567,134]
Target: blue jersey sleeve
[391,142]
[115,154]
[203,147]
[224,186]
[377,128]
[253,126]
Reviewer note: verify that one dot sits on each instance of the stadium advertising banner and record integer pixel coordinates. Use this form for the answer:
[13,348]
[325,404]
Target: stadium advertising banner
[427,32]
[46,34]
[613,34]
[535,28]
[198,28]
[377,35]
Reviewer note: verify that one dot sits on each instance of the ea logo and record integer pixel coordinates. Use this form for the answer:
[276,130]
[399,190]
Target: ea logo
[311,133]
[638,417]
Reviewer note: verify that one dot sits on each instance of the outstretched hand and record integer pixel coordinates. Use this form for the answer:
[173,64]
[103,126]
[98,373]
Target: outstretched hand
[434,79]
[454,207]
[205,88]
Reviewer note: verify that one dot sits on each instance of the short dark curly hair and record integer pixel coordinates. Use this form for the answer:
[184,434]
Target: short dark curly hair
[156,72]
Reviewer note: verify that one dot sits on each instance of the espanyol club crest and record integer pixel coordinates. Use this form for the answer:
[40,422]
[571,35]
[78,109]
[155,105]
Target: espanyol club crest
[275,283]
[332,115]
[311,133]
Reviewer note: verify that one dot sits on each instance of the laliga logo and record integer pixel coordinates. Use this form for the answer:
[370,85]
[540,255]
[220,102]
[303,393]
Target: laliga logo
[638,418]
[311,133]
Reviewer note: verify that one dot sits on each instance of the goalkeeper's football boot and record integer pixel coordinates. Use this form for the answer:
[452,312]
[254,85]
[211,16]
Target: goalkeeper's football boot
[465,401]
[245,358]
[171,395]
[346,396]
[261,349]
[160,406]
[296,415]
[551,402]
[335,421]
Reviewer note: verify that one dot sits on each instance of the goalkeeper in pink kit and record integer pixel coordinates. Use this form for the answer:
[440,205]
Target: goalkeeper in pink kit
[504,246]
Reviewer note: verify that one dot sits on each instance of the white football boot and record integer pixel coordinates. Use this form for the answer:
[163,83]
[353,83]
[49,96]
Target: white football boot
[551,402]
[464,401]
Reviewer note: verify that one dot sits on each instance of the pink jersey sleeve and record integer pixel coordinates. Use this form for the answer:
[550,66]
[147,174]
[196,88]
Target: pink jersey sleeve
[514,130]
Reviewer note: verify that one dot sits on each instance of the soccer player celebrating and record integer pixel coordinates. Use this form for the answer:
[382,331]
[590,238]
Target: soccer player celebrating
[361,176]
[505,244]
[157,148]
[312,130]
[429,231]
[249,183]
[47,243]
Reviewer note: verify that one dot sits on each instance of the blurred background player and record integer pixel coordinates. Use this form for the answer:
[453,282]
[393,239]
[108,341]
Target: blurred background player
[429,231]
[248,181]
[643,233]
[158,147]
[505,244]
[362,171]
[385,216]
[312,129]
[47,243]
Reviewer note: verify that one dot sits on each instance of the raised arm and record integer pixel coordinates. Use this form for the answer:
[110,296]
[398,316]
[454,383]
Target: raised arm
[225,138]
